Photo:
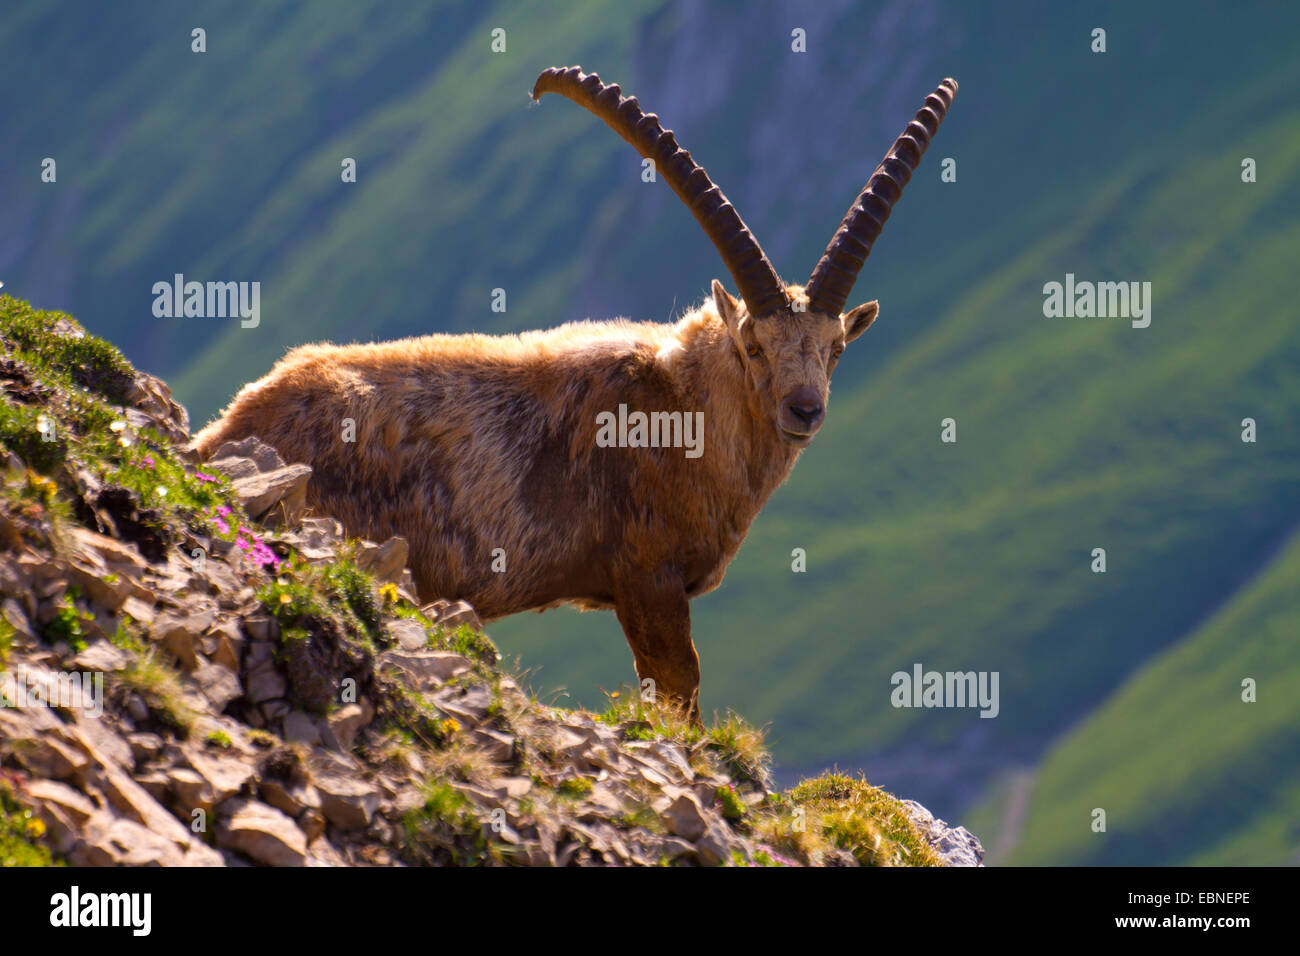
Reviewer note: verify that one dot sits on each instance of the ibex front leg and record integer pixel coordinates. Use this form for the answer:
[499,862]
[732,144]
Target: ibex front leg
[657,621]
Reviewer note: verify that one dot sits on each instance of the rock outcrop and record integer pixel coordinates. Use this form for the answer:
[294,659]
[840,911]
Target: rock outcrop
[199,672]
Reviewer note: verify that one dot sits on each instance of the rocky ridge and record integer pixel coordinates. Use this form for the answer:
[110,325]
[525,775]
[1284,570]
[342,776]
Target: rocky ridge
[274,693]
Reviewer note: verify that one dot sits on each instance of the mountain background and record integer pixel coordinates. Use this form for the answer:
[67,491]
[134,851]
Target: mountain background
[1119,690]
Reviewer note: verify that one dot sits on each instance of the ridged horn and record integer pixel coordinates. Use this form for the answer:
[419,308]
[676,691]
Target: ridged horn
[756,280]
[833,279]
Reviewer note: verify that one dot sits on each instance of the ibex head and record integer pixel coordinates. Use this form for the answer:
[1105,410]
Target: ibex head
[788,338]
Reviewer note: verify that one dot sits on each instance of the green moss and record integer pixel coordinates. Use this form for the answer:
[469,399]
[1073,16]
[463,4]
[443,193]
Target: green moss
[761,858]
[411,716]
[144,464]
[730,740]
[61,415]
[741,747]
[7,635]
[643,817]
[445,827]
[262,738]
[850,814]
[20,832]
[68,623]
[126,637]
[148,675]
[638,731]
[35,497]
[733,808]
[294,594]
[32,435]
[466,641]
[574,788]
[302,596]
[56,343]
[57,346]
[356,590]
[445,803]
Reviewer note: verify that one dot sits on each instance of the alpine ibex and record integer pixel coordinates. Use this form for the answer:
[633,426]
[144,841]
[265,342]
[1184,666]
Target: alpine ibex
[466,444]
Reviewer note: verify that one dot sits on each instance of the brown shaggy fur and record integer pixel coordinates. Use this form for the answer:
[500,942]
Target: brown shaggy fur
[466,444]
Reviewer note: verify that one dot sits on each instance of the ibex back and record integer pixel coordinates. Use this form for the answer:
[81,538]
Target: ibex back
[482,449]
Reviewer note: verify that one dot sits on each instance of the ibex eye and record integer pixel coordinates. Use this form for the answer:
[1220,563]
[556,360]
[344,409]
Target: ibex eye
[753,351]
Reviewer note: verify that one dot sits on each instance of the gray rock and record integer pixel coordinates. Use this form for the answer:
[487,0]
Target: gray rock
[108,571]
[45,757]
[956,845]
[343,726]
[226,774]
[275,497]
[346,803]
[248,456]
[512,787]
[263,629]
[673,756]
[316,538]
[113,841]
[230,643]
[684,817]
[144,746]
[714,845]
[265,683]
[64,811]
[452,614]
[409,634]
[179,633]
[495,745]
[102,656]
[151,396]
[300,728]
[312,824]
[275,710]
[291,799]
[424,670]
[263,834]
[269,490]
[385,561]
[673,847]
[190,790]
[469,705]
[217,684]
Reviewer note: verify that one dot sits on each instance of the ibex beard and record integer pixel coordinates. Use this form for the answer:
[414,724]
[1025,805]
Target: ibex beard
[477,447]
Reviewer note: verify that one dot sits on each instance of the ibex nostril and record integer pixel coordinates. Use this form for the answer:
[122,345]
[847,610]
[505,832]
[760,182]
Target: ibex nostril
[808,414]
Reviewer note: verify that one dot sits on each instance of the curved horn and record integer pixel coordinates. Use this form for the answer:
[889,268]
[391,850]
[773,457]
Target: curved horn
[755,278]
[833,279]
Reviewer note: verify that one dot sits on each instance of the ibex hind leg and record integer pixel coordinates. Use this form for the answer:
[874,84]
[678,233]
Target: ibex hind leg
[656,619]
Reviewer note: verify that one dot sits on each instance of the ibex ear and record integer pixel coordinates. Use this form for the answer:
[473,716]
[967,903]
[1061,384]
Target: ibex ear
[728,308]
[856,321]
[729,311]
